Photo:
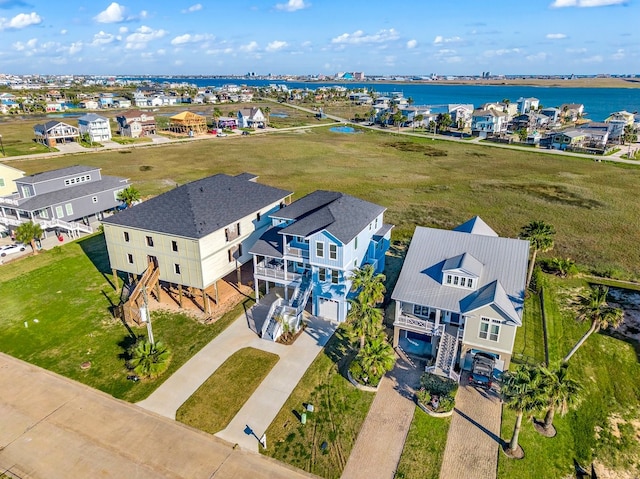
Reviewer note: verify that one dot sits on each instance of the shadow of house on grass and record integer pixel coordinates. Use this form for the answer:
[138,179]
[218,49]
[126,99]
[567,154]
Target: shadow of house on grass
[95,248]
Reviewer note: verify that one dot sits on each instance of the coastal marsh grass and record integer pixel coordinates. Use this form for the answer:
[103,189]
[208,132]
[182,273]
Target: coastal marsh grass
[589,203]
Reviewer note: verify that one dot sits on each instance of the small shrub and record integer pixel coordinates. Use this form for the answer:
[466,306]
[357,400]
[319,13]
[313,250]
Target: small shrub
[423,396]
[446,403]
[146,168]
[437,385]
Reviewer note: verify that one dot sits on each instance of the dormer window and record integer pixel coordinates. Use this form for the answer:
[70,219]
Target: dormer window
[461,271]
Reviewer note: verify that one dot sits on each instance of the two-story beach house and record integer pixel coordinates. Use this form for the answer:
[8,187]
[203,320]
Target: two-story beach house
[460,292]
[96,126]
[8,177]
[488,122]
[64,199]
[311,249]
[194,234]
[136,123]
[54,132]
[251,118]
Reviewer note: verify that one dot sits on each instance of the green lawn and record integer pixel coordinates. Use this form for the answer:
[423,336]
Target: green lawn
[419,181]
[529,346]
[424,447]
[220,397]
[323,445]
[608,370]
[68,290]
[18,137]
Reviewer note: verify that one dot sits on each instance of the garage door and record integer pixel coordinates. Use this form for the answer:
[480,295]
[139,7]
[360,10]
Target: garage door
[328,309]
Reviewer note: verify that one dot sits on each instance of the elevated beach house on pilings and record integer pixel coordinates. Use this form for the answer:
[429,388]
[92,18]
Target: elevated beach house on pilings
[311,249]
[193,235]
[460,292]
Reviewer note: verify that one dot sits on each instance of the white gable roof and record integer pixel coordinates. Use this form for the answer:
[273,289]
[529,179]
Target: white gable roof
[476,226]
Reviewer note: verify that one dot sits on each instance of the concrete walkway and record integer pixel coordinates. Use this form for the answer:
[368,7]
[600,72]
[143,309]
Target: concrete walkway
[269,397]
[474,435]
[379,445]
[55,428]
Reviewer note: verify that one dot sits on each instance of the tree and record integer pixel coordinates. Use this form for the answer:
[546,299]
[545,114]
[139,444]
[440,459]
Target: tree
[540,237]
[372,115]
[129,196]
[397,118]
[444,121]
[593,306]
[364,320]
[564,266]
[629,135]
[267,112]
[560,390]
[149,360]
[29,232]
[384,118]
[522,134]
[433,126]
[521,393]
[217,113]
[368,284]
[418,119]
[377,356]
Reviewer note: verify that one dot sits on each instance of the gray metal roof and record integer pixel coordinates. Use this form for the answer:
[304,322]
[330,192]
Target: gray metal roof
[59,173]
[65,195]
[465,263]
[51,124]
[270,244]
[477,226]
[201,207]
[342,216]
[504,261]
[91,117]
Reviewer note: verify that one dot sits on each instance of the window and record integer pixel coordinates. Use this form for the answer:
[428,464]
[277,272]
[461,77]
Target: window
[489,329]
[69,209]
[1,182]
[448,279]
[356,243]
[26,192]
[130,258]
[334,276]
[43,213]
[463,281]
[322,275]
[94,199]
[319,249]
[59,212]
[333,251]
[126,236]
[174,246]
[149,241]
[469,283]
[455,280]
[419,310]
[176,268]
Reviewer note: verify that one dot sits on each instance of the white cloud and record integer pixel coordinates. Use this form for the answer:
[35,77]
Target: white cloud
[538,57]
[276,45]
[30,44]
[501,52]
[586,3]
[21,20]
[576,50]
[188,38]
[292,5]
[359,37]
[123,30]
[306,44]
[448,55]
[63,32]
[618,55]
[143,14]
[412,44]
[249,47]
[102,38]
[193,8]
[556,36]
[592,59]
[74,48]
[143,35]
[440,39]
[113,14]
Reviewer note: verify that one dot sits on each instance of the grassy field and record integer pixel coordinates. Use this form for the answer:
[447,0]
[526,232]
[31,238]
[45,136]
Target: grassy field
[221,396]
[424,447]
[420,181]
[604,425]
[323,445]
[55,314]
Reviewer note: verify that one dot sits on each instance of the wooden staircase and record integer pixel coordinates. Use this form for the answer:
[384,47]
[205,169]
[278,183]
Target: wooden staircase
[133,299]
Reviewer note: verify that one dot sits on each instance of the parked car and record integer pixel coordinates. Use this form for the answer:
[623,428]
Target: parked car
[220,135]
[11,248]
[245,133]
[482,370]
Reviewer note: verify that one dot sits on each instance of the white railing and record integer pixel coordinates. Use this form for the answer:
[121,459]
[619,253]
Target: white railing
[272,310]
[297,252]
[405,319]
[277,272]
[10,221]
[70,226]
[8,201]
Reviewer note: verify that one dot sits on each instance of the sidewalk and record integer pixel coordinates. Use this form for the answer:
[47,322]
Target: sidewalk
[267,400]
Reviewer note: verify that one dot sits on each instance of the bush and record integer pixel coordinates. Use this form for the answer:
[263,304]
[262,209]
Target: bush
[437,385]
[363,377]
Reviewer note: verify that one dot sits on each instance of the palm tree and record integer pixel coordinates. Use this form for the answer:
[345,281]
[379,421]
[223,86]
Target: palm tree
[29,232]
[593,306]
[521,393]
[540,237]
[149,360]
[368,284]
[267,112]
[364,320]
[377,356]
[419,119]
[560,390]
[217,113]
[129,196]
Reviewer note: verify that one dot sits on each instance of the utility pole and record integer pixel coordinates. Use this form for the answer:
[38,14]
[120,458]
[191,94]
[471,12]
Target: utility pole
[146,315]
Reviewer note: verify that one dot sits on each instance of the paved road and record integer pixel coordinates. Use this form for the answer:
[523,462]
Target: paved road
[265,403]
[55,428]
[378,448]
[474,435]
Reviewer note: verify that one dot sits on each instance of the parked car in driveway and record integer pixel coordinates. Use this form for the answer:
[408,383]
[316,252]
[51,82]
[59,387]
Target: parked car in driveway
[11,248]
[220,135]
[482,370]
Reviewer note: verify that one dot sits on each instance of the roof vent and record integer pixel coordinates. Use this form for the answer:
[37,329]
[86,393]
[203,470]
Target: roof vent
[201,189]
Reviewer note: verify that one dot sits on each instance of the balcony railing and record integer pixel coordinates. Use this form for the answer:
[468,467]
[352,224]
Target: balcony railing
[276,271]
[297,252]
[416,323]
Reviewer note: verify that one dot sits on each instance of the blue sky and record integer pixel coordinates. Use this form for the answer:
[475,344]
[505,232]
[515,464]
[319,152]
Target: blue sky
[320,37]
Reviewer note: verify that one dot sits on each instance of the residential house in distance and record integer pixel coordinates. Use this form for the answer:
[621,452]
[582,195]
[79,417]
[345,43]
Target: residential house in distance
[189,123]
[8,177]
[251,118]
[490,122]
[571,111]
[105,100]
[227,122]
[121,102]
[459,293]
[312,247]
[140,99]
[554,114]
[194,234]
[63,199]
[618,121]
[136,123]
[525,105]
[89,105]
[96,126]
[568,139]
[54,132]
[461,114]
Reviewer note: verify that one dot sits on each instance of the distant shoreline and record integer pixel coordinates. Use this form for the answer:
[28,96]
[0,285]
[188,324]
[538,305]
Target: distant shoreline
[631,83]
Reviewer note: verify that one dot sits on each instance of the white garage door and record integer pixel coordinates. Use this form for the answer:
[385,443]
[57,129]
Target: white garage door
[328,309]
